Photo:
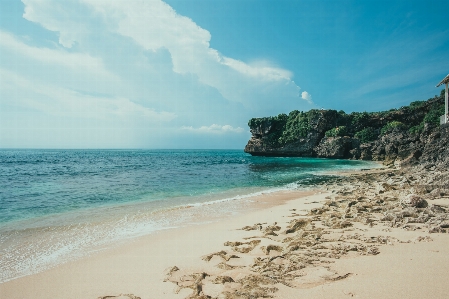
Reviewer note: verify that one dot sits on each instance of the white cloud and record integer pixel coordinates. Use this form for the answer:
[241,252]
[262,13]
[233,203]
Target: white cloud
[75,61]
[306,96]
[215,129]
[155,25]
[262,72]
[57,101]
[136,64]
[73,21]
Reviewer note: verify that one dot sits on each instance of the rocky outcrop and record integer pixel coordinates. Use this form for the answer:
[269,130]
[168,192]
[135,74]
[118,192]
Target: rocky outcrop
[435,154]
[408,136]
[336,147]
[390,147]
[429,149]
[266,133]
[303,147]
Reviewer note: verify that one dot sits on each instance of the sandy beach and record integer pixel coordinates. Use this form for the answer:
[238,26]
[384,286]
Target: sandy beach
[194,149]
[356,237]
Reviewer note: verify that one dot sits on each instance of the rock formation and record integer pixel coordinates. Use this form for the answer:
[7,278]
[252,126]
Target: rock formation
[407,135]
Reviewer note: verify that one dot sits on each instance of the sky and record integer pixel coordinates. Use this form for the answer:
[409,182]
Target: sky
[189,74]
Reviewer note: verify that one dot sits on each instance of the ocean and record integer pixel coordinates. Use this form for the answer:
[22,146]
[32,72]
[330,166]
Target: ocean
[60,205]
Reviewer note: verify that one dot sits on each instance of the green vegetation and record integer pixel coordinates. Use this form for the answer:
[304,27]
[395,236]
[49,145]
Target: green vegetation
[359,120]
[337,131]
[278,131]
[417,105]
[391,126]
[275,126]
[366,135]
[275,121]
[359,117]
[416,129]
[433,116]
[283,129]
[297,126]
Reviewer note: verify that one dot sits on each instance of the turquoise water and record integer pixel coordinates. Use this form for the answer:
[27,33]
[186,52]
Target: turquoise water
[41,182]
[59,204]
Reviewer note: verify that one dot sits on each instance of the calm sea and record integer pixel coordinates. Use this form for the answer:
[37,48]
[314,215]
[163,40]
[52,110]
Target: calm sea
[58,205]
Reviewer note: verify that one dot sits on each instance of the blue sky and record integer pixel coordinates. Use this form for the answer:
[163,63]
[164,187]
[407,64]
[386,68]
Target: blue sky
[191,73]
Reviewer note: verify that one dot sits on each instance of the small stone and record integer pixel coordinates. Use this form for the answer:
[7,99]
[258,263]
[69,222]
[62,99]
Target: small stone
[414,200]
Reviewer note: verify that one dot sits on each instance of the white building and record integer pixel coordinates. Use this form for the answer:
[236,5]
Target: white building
[444,119]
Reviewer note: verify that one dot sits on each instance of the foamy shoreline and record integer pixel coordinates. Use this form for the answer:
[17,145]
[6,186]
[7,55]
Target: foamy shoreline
[32,246]
[412,263]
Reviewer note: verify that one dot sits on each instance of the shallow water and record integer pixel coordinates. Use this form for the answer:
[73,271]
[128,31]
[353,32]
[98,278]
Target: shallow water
[57,205]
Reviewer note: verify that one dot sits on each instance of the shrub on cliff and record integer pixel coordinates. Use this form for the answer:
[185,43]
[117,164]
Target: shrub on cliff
[338,131]
[297,126]
[366,135]
[391,126]
[269,128]
[417,129]
[433,116]
[417,105]
[275,121]
[360,120]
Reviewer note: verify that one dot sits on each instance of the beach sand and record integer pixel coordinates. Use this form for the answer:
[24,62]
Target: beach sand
[294,244]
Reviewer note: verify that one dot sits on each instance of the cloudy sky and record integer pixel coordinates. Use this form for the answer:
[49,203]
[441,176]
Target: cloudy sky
[191,73]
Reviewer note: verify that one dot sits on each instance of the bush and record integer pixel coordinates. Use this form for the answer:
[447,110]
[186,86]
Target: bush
[359,120]
[416,104]
[276,125]
[338,131]
[366,135]
[297,126]
[391,126]
[433,116]
[276,121]
[359,117]
[417,129]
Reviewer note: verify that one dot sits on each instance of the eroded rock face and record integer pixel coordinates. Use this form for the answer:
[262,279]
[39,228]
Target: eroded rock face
[436,150]
[265,135]
[335,147]
[303,147]
[430,149]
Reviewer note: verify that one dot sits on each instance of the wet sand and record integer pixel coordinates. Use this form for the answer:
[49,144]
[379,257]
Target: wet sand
[376,235]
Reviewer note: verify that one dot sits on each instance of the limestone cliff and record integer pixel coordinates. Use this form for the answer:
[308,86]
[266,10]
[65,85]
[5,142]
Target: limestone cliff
[408,134]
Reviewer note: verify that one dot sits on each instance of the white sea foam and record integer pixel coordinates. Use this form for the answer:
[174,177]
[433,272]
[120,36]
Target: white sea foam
[33,246]
[43,245]
[24,252]
[291,186]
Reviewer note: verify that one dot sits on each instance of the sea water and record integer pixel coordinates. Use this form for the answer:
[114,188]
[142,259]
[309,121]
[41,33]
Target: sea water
[59,205]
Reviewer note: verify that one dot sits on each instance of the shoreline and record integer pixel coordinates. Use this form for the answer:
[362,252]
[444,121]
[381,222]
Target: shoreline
[133,247]
[143,223]
[364,254]
[30,246]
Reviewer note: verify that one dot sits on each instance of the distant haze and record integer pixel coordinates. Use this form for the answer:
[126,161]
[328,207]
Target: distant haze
[191,73]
